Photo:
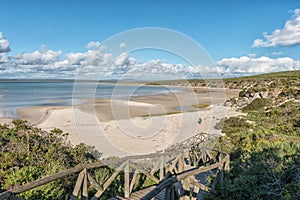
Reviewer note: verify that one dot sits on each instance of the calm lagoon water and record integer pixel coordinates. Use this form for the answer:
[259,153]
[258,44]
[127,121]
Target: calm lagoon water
[14,95]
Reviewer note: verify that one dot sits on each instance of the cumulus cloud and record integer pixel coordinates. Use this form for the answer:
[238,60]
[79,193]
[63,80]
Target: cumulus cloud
[4,44]
[93,44]
[97,61]
[158,69]
[248,65]
[287,36]
[91,57]
[122,59]
[41,57]
[3,58]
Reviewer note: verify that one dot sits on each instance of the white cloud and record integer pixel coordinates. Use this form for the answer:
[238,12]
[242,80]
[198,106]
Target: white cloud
[3,58]
[75,58]
[93,44]
[41,57]
[287,36]
[122,59]
[93,57]
[276,53]
[47,63]
[4,44]
[248,65]
[122,45]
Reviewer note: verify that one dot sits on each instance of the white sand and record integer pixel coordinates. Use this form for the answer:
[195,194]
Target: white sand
[140,135]
[5,121]
[116,128]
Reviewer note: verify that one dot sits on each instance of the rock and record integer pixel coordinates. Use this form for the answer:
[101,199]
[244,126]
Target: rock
[240,103]
[228,104]
[256,96]
[264,95]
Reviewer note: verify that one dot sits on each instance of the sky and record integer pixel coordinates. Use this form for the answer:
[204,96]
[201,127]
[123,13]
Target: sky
[64,38]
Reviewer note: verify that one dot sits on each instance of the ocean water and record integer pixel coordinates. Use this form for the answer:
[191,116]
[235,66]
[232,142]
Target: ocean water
[15,95]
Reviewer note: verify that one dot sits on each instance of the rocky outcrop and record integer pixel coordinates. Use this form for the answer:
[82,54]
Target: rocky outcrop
[275,91]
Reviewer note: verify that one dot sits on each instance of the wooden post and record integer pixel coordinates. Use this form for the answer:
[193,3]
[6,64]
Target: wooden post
[173,166]
[77,185]
[196,191]
[126,180]
[227,163]
[155,168]
[161,171]
[85,186]
[96,185]
[136,173]
[181,163]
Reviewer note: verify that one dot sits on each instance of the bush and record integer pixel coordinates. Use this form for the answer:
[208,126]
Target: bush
[264,151]
[29,153]
[256,104]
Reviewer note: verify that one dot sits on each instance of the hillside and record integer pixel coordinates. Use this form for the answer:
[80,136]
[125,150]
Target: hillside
[265,144]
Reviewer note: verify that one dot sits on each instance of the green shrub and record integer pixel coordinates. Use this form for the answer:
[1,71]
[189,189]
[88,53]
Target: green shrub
[256,104]
[28,154]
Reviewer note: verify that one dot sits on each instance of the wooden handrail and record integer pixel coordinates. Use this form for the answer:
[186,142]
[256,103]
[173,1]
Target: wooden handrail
[174,163]
[79,168]
[170,181]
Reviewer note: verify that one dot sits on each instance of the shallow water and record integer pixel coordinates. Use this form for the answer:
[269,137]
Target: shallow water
[15,95]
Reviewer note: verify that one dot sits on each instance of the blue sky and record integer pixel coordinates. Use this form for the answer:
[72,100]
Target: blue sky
[225,29]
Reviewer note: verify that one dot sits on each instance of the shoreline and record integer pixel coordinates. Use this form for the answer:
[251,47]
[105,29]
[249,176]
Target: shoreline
[137,125]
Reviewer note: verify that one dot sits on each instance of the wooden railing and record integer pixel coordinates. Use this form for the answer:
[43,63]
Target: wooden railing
[177,165]
[189,180]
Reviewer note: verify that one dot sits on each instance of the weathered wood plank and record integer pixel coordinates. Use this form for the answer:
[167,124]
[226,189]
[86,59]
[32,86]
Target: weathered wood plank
[174,164]
[96,185]
[161,168]
[145,172]
[193,181]
[227,163]
[181,163]
[85,195]
[59,175]
[135,175]
[78,184]
[48,179]
[180,177]
[159,188]
[155,167]
[126,180]
[109,181]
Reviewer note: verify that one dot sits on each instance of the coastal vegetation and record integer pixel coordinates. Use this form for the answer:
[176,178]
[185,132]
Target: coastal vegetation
[264,145]
[28,153]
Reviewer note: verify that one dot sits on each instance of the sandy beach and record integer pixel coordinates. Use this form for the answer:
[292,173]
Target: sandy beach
[137,125]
